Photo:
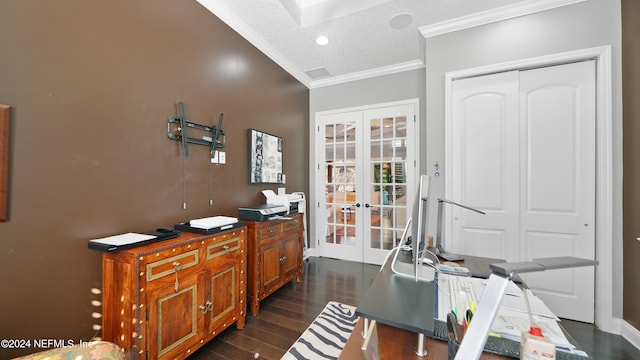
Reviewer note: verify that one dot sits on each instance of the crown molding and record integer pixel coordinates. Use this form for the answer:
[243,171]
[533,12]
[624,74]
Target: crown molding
[360,75]
[494,15]
[229,18]
[464,22]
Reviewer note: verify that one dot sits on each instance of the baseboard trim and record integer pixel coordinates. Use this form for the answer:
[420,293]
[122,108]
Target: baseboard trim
[312,252]
[630,333]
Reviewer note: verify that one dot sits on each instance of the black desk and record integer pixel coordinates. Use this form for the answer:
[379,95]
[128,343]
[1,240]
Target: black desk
[402,302]
[399,301]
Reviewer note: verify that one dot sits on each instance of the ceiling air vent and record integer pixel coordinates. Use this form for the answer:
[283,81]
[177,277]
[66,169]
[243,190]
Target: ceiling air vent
[318,73]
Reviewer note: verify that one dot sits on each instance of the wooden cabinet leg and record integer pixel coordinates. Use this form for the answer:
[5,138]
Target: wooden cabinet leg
[240,323]
[255,308]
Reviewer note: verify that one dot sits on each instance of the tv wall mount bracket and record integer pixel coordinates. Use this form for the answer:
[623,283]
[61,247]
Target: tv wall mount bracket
[177,130]
[214,137]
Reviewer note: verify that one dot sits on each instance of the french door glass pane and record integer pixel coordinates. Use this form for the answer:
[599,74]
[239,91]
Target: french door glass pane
[388,162]
[340,172]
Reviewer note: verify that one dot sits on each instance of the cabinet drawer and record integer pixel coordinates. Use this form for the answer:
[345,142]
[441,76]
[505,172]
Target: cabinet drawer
[269,231]
[223,247]
[169,266]
[291,225]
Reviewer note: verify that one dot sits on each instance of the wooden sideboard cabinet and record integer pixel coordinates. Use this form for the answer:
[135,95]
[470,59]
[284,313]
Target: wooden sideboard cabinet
[166,299]
[275,251]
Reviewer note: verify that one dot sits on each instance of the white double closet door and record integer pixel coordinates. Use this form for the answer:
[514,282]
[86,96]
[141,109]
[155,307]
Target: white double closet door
[521,146]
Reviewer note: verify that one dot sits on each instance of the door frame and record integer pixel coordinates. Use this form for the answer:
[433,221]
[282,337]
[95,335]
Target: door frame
[318,169]
[604,159]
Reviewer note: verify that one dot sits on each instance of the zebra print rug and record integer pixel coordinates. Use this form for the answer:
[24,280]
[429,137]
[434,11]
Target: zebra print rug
[327,334]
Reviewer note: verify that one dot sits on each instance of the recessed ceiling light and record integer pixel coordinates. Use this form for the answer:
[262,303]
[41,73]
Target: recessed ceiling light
[322,40]
[400,21]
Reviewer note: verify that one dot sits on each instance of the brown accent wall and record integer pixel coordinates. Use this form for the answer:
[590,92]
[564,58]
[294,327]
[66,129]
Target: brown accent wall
[631,158]
[91,85]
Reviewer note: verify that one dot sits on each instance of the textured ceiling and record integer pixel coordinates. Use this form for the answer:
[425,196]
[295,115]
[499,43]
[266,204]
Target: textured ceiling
[361,38]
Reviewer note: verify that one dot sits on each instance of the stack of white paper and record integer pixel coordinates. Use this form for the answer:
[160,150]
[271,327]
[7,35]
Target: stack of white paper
[213,222]
[510,324]
[124,239]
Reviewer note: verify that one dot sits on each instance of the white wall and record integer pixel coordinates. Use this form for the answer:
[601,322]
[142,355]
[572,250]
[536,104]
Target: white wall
[584,25]
[580,26]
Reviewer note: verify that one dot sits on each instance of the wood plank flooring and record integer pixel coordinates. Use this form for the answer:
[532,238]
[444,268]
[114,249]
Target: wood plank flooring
[289,311]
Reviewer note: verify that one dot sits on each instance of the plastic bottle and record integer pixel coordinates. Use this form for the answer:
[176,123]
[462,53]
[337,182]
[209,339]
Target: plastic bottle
[534,346]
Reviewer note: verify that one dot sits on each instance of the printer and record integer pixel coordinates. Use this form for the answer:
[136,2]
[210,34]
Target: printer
[262,212]
[295,202]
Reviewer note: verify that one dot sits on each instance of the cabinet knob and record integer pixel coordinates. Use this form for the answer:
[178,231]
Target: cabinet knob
[206,307]
[177,266]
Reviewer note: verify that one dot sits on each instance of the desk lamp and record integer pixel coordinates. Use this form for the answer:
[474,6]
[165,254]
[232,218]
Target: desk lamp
[476,336]
[439,249]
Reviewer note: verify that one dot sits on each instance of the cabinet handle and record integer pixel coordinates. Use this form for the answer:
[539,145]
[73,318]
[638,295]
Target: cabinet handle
[206,307]
[283,259]
[176,267]
[226,247]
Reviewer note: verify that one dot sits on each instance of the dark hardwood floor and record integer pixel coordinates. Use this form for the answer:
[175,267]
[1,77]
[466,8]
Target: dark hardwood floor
[599,344]
[289,311]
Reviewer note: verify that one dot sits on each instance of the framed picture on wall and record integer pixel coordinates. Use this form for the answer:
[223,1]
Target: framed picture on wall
[265,158]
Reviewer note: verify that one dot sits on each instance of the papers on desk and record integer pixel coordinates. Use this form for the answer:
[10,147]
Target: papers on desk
[509,324]
[123,239]
[458,293]
[213,222]
[514,300]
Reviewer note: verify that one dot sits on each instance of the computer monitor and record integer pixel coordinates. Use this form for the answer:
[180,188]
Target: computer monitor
[420,216]
[418,223]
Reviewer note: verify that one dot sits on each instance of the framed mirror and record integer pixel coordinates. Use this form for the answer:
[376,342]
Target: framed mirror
[5,118]
[265,158]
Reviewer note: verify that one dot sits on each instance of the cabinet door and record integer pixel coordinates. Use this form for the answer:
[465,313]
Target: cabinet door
[290,252]
[223,290]
[174,323]
[270,254]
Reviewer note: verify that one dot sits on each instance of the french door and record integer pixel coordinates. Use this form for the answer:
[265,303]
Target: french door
[366,170]
[522,148]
